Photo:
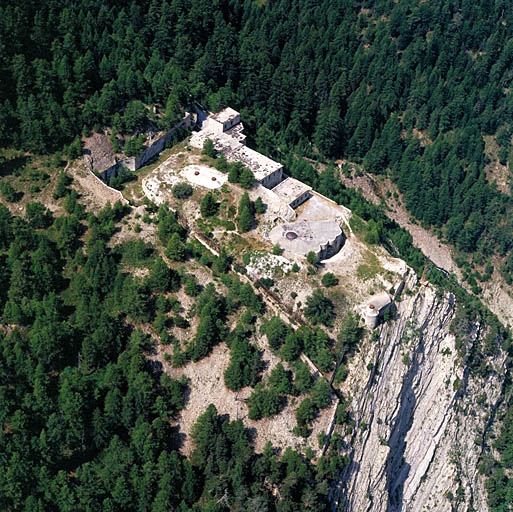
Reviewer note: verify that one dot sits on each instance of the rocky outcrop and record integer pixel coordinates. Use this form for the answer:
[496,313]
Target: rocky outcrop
[420,414]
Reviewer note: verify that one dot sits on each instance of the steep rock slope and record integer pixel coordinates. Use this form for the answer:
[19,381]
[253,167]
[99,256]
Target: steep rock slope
[420,413]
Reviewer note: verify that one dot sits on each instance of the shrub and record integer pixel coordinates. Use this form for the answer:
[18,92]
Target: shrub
[263,403]
[38,215]
[276,331]
[321,393]
[260,207]
[8,192]
[319,309]
[280,380]
[277,250]
[181,190]
[329,280]
[208,148]
[311,257]
[303,379]
[209,205]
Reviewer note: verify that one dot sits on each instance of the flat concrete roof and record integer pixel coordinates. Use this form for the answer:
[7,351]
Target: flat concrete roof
[305,236]
[290,189]
[224,115]
[260,165]
[204,176]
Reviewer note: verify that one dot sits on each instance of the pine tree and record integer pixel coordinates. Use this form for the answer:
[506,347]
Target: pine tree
[246,216]
[209,205]
[175,249]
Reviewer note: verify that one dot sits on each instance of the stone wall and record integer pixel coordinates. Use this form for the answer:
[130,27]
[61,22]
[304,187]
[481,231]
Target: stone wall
[157,146]
[331,248]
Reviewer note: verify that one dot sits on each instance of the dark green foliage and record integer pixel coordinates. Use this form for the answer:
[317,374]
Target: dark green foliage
[292,347]
[63,183]
[134,117]
[134,146]
[319,309]
[135,299]
[303,380]
[276,331]
[68,230]
[245,365]
[38,216]
[162,278]
[88,391]
[85,416]
[280,380]
[222,262]
[191,286]
[167,224]
[239,173]
[208,148]
[234,171]
[259,205]
[311,257]
[264,402]
[305,413]
[175,249]
[209,205]
[211,311]
[8,192]
[221,163]
[407,88]
[371,89]
[136,252]
[222,453]
[182,190]
[321,393]
[246,178]
[74,150]
[316,345]
[249,299]
[329,279]
[245,214]
[122,176]
[350,334]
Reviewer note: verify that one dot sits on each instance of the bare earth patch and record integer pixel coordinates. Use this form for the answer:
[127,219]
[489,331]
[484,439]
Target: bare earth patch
[206,386]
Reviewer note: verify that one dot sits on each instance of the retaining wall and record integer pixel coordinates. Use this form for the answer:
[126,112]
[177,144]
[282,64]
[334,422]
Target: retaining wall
[135,162]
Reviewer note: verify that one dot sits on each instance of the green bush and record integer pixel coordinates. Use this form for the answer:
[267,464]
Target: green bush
[329,280]
[182,190]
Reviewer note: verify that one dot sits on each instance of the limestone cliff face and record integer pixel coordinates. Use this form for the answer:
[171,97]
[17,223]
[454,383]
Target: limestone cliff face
[420,414]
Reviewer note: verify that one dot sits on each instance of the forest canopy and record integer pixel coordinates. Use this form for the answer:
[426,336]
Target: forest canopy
[408,88]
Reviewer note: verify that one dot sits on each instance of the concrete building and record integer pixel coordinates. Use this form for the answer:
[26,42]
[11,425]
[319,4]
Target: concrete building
[226,132]
[375,307]
[222,121]
[267,172]
[293,192]
[324,238]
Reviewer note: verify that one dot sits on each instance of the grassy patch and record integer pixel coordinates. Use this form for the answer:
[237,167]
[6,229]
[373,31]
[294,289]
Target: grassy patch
[358,225]
[369,268]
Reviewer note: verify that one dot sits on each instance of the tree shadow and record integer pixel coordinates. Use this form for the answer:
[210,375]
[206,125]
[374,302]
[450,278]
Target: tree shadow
[12,166]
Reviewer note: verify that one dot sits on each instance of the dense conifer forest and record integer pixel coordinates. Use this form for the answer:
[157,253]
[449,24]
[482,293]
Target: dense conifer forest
[407,88]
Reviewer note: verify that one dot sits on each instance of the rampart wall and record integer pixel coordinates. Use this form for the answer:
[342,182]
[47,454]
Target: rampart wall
[157,146]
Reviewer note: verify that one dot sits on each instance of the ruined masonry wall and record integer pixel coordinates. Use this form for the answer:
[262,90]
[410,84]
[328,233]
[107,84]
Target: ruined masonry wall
[134,163]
